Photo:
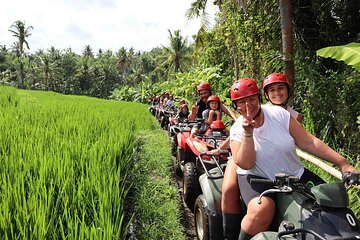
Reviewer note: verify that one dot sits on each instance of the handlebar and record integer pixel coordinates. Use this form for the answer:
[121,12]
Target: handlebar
[260,180]
[283,183]
[281,180]
[351,178]
[287,183]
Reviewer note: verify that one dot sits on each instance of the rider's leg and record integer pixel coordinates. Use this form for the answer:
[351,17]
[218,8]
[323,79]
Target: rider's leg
[230,202]
[259,216]
[231,226]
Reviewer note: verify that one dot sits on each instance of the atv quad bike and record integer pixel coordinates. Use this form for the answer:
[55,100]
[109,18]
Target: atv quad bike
[212,138]
[164,116]
[178,130]
[192,170]
[313,213]
[192,161]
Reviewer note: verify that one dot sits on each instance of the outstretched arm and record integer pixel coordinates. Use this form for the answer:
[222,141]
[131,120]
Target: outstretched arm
[227,111]
[311,144]
[194,111]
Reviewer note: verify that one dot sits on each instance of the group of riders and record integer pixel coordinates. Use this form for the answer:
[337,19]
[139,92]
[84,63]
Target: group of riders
[262,142]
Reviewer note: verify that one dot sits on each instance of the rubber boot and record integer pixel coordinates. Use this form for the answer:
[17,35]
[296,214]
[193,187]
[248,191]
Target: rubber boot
[244,236]
[231,226]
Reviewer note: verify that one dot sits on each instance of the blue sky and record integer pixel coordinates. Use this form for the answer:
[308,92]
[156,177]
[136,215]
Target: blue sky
[105,24]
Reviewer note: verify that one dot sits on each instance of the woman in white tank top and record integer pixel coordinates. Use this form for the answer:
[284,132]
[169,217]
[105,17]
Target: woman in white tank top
[253,136]
[276,90]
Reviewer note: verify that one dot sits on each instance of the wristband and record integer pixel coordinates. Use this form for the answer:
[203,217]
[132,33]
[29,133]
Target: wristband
[248,135]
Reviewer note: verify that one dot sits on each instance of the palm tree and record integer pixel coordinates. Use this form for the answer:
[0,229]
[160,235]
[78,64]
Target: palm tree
[21,33]
[198,9]
[87,52]
[177,53]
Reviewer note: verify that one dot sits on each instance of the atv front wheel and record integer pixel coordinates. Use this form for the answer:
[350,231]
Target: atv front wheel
[180,156]
[191,186]
[173,145]
[201,218]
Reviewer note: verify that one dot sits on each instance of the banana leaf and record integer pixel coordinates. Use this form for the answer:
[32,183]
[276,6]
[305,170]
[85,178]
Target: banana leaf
[349,53]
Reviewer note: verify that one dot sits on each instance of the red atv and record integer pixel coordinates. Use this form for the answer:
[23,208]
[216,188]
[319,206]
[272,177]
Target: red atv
[192,158]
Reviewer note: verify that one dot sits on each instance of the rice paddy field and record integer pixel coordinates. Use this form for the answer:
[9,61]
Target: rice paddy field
[64,164]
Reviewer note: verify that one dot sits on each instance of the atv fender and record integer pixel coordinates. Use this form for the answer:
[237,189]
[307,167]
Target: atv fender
[181,138]
[197,146]
[331,195]
[211,189]
[268,236]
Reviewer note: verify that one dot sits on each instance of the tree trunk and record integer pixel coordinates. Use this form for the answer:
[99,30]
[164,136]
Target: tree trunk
[234,55]
[288,43]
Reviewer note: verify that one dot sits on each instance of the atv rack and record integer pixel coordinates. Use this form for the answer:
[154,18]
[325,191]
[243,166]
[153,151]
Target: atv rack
[214,160]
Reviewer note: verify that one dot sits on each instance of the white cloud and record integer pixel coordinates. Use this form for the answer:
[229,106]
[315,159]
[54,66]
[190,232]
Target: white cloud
[105,24]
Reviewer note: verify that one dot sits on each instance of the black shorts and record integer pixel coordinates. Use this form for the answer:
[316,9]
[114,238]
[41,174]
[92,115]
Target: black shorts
[249,191]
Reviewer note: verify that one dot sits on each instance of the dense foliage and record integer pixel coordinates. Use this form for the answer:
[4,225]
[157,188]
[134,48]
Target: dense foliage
[245,41]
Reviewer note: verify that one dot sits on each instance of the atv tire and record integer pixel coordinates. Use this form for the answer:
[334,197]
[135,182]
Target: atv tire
[173,145]
[191,186]
[201,218]
[178,161]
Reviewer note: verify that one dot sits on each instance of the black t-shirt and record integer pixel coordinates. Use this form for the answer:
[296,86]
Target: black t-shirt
[183,115]
[202,107]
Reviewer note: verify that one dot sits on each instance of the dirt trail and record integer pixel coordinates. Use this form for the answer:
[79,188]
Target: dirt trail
[187,216]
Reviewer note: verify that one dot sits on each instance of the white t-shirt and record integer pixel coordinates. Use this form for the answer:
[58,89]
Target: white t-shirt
[274,145]
[170,103]
[293,113]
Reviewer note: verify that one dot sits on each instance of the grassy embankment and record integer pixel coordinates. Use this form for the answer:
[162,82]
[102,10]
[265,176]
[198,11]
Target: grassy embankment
[68,169]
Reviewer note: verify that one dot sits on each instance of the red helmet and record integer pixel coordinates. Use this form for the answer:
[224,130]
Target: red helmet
[182,101]
[242,88]
[213,98]
[275,78]
[217,124]
[204,86]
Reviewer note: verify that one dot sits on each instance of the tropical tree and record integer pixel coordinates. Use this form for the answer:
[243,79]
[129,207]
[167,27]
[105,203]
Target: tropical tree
[177,54]
[198,10]
[87,52]
[21,32]
[68,81]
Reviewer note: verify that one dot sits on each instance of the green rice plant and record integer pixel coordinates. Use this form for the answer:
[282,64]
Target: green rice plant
[8,97]
[66,163]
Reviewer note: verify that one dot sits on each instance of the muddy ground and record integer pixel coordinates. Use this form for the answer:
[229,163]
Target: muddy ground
[187,216]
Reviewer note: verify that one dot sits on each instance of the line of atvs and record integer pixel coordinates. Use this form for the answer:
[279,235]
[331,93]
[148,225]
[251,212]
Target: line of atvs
[318,212]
